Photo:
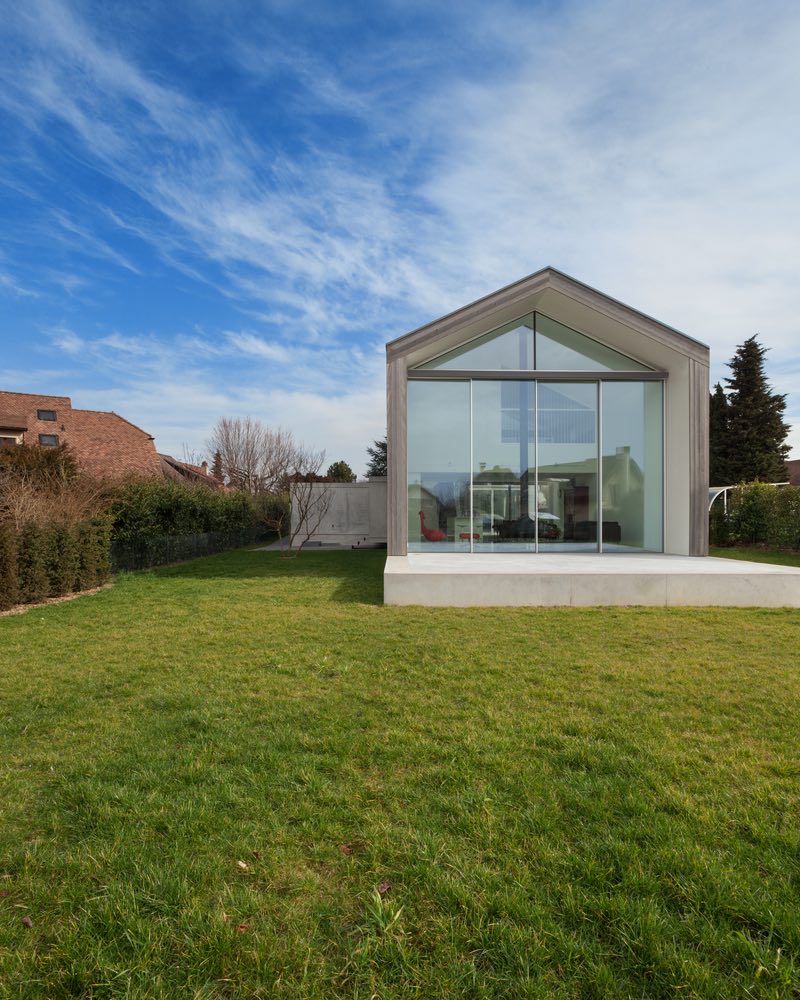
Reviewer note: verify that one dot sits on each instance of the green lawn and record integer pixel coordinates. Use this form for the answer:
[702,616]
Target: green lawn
[758,554]
[244,777]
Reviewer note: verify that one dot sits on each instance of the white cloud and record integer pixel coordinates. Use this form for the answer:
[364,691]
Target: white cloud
[10,284]
[647,149]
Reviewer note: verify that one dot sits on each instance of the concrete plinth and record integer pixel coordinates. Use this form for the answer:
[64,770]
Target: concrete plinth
[586,579]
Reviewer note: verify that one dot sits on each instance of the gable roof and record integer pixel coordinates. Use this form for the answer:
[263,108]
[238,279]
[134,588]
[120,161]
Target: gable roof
[183,472]
[103,443]
[555,294]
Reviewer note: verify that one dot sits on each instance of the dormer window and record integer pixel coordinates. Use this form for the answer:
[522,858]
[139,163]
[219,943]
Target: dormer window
[49,439]
[45,414]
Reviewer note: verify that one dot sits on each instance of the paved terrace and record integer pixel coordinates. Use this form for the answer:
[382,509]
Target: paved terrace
[586,579]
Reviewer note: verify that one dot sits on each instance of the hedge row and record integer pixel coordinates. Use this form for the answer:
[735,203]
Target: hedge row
[50,561]
[147,509]
[758,514]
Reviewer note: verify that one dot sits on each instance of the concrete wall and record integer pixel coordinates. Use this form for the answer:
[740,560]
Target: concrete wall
[356,516]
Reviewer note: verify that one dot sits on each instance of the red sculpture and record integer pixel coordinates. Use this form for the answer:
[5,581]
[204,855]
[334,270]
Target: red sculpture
[431,534]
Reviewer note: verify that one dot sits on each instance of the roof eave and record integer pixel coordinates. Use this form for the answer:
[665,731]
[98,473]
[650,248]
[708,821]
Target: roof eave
[427,336]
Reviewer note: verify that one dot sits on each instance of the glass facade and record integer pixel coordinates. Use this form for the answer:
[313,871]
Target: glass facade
[508,348]
[534,342]
[633,464]
[438,465]
[535,464]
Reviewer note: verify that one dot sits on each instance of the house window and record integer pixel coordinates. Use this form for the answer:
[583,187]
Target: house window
[573,482]
[48,439]
[7,442]
[45,414]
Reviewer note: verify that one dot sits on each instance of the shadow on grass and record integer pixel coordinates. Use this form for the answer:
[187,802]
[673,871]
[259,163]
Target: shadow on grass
[356,575]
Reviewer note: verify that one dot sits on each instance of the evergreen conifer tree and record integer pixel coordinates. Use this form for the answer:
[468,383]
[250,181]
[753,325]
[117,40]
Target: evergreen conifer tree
[216,466]
[718,438]
[377,459]
[756,432]
[340,472]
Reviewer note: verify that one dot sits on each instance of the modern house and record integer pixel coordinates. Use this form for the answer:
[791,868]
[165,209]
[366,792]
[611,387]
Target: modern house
[549,445]
[104,443]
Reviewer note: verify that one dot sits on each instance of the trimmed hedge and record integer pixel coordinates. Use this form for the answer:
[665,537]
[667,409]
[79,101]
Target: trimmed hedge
[9,581]
[147,509]
[51,560]
[758,514]
[32,564]
[150,523]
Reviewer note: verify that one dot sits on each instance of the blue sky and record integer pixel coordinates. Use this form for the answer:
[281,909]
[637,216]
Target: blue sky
[227,208]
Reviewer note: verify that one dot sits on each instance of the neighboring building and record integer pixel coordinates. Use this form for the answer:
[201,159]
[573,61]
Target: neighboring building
[186,472]
[794,471]
[103,444]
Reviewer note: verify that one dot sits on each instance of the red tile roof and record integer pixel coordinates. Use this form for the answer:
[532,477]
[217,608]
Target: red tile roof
[186,472]
[104,444]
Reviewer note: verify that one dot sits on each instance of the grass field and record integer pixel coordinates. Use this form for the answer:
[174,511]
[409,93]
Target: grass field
[756,554]
[244,777]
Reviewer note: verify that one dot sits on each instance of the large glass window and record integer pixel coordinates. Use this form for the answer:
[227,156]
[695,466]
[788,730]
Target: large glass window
[515,465]
[567,465]
[533,464]
[503,473]
[438,466]
[558,348]
[508,348]
[633,465]
[534,342]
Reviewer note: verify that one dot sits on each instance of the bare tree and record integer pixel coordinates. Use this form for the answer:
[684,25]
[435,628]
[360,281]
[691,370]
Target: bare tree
[254,457]
[311,499]
[69,502]
[280,472]
[191,456]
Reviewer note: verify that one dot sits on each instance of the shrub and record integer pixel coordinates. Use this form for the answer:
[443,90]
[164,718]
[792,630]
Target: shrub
[758,514]
[94,543]
[274,510]
[9,584]
[149,509]
[61,559]
[34,584]
[37,464]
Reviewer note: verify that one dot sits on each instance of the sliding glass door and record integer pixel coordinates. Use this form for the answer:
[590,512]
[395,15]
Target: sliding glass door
[535,465]
[503,465]
[566,490]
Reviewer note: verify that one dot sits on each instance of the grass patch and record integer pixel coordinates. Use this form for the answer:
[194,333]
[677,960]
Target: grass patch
[754,553]
[245,777]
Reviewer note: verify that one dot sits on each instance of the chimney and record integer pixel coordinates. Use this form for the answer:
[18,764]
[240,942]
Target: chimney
[204,467]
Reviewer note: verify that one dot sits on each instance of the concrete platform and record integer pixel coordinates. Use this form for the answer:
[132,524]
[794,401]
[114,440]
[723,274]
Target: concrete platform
[586,579]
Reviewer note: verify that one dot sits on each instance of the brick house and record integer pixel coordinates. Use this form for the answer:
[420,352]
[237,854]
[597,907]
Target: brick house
[102,443]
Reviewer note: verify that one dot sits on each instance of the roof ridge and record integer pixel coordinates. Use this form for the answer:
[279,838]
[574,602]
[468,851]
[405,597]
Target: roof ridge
[36,395]
[113,413]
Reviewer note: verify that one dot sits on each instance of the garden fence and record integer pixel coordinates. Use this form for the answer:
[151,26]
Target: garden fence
[148,552]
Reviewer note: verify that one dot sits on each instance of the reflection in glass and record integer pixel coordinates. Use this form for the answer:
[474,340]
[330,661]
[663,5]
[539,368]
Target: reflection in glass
[558,348]
[567,465]
[633,464]
[503,476]
[509,348]
[438,466]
